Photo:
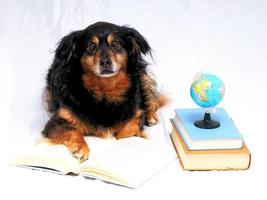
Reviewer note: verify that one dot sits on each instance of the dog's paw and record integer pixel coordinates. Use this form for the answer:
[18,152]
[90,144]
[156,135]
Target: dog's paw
[152,119]
[142,135]
[79,150]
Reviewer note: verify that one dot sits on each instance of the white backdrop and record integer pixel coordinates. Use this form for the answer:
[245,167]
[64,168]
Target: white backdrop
[227,38]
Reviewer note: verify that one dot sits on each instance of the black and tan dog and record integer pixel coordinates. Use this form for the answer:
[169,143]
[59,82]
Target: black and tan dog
[98,84]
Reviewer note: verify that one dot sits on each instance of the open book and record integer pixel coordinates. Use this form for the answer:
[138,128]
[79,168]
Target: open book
[128,162]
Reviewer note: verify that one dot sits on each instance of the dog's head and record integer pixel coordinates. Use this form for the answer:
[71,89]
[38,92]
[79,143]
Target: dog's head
[103,49]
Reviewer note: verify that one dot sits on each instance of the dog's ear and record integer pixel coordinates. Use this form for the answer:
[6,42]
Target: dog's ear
[138,43]
[68,46]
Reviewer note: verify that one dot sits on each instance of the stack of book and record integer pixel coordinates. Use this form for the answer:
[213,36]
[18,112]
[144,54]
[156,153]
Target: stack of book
[221,148]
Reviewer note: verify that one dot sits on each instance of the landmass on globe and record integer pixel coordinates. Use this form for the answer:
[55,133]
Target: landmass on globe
[207,90]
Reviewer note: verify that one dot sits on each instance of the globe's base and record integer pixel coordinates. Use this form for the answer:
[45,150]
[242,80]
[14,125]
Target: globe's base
[204,125]
[207,123]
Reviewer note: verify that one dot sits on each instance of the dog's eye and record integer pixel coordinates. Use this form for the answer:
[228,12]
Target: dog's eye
[92,46]
[116,45]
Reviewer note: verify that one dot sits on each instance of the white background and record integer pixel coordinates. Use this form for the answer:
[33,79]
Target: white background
[227,38]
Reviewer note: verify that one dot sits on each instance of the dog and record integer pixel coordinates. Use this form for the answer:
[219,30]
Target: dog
[98,84]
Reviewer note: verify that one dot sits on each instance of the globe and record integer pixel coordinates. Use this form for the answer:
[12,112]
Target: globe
[207,91]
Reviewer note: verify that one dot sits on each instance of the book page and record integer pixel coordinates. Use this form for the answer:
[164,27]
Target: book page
[133,158]
[47,157]
[131,161]
[98,145]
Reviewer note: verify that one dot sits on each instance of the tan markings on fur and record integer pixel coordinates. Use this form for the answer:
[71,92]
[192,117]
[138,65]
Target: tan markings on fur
[110,39]
[73,120]
[131,127]
[90,62]
[162,100]
[112,89]
[82,127]
[75,142]
[95,40]
[119,59]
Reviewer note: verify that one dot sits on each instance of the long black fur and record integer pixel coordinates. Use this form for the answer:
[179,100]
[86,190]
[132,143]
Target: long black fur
[65,84]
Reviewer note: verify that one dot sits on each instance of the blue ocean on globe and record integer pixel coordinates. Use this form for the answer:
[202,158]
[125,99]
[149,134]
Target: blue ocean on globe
[207,90]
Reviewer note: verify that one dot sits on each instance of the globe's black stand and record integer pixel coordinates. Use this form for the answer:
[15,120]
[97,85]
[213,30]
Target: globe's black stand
[207,123]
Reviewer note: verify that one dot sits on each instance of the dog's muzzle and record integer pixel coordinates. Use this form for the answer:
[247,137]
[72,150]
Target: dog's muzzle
[107,68]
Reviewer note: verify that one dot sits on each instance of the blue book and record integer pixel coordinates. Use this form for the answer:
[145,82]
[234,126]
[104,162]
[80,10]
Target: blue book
[226,136]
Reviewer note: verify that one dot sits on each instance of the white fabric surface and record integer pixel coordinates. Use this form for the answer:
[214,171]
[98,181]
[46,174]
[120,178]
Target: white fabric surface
[227,38]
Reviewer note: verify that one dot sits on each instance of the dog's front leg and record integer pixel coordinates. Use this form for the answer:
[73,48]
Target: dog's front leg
[133,127]
[60,131]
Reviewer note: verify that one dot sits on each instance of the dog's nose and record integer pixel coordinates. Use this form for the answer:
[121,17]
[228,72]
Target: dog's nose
[105,62]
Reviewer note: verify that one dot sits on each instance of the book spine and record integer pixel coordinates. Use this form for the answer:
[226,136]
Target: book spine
[180,128]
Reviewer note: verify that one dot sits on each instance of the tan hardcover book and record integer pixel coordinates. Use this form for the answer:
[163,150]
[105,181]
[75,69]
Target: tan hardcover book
[236,159]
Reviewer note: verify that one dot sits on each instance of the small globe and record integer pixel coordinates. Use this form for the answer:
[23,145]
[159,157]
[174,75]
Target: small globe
[207,90]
